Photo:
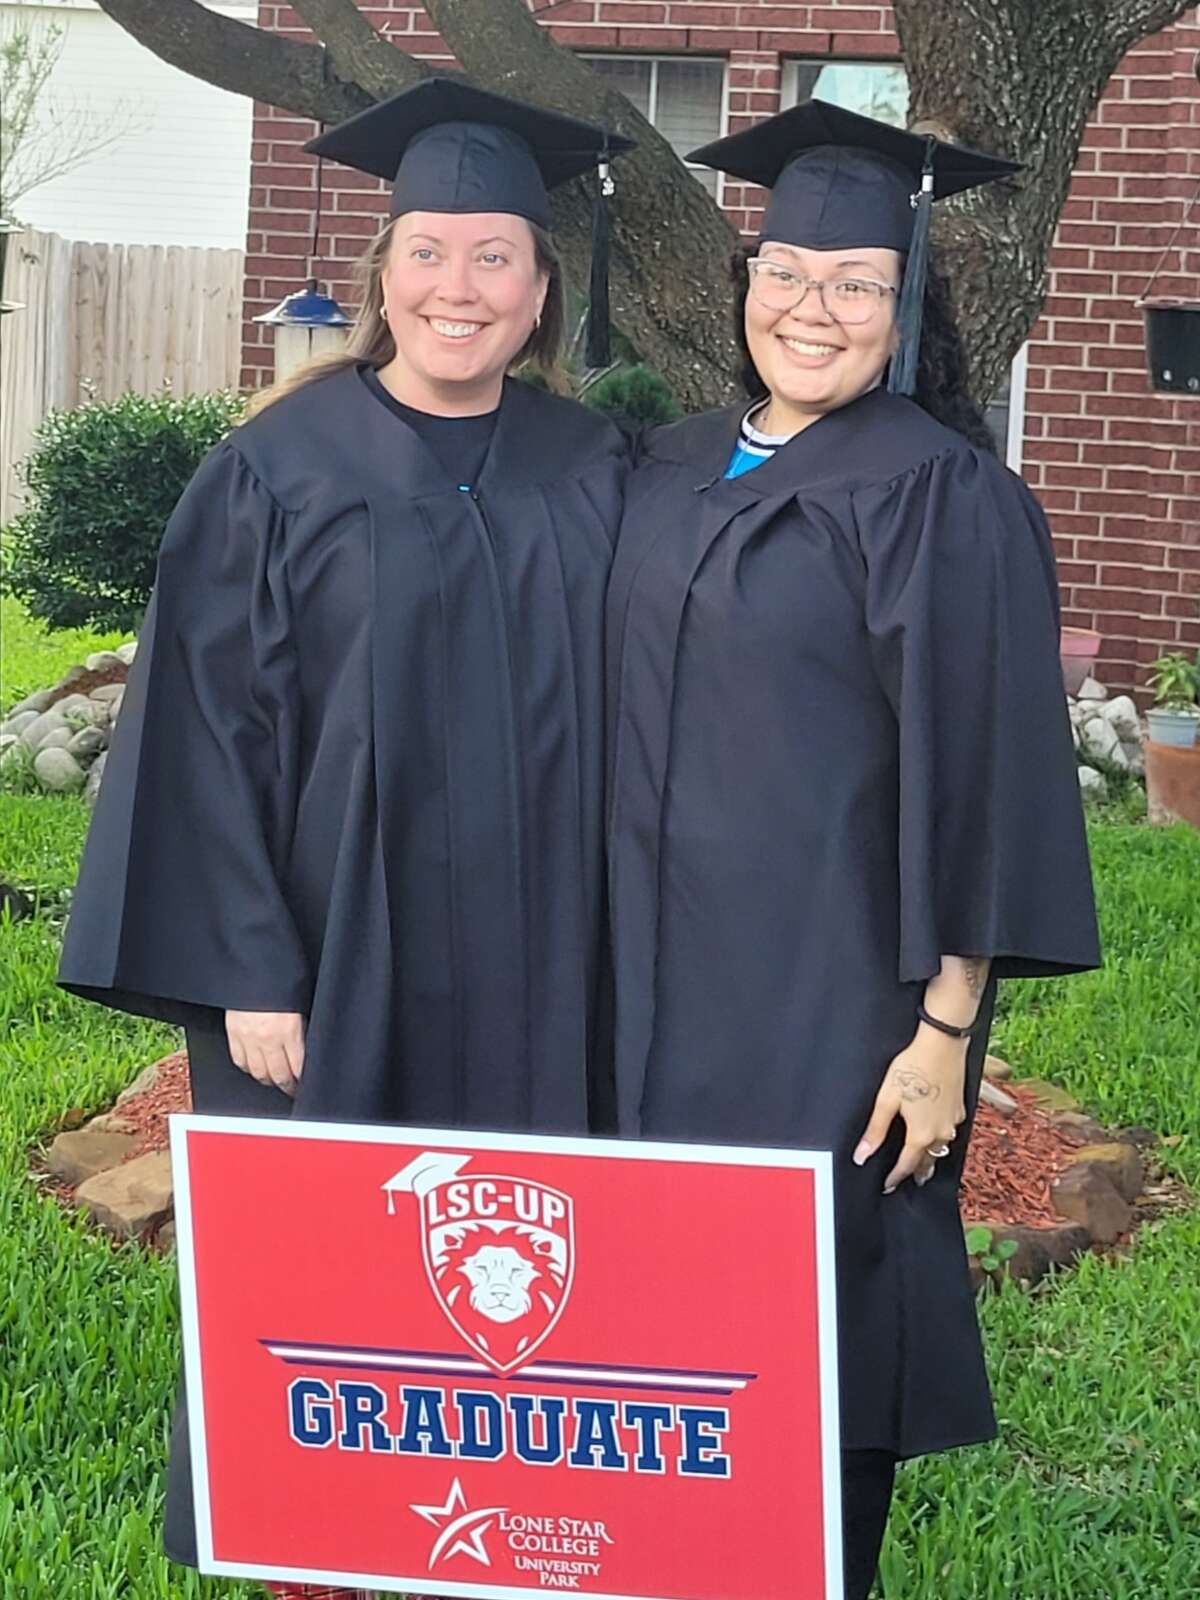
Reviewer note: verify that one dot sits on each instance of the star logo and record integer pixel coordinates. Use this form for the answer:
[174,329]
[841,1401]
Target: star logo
[463,1534]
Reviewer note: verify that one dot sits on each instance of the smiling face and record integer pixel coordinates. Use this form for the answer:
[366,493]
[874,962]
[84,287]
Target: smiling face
[461,293]
[810,362]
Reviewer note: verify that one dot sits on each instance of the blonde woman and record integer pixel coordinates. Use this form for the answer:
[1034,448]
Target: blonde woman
[350,830]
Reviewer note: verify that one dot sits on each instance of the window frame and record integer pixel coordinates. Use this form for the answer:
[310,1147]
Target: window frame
[655,60]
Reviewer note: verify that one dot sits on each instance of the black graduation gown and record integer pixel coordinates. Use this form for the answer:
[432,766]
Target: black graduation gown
[359,767]
[840,750]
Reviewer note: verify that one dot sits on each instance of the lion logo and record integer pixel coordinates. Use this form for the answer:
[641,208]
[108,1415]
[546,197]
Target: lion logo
[499,1253]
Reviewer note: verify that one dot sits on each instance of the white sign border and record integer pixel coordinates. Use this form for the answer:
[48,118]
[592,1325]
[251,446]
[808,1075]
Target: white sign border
[818,1162]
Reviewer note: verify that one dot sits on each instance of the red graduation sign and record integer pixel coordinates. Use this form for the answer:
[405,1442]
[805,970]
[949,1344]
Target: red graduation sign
[481,1364]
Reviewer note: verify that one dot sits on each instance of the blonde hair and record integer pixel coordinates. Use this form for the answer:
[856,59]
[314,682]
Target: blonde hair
[371,339]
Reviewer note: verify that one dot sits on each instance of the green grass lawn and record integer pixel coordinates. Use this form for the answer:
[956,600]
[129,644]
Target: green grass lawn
[1092,1491]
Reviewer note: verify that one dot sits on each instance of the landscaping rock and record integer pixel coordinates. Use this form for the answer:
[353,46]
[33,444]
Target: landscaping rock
[1080,1124]
[1049,1096]
[1065,1244]
[1092,784]
[1085,1195]
[1119,1163]
[1030,1261]
[108,692]
[165,1237]
[18,721]
[95,774]
[13,756]
[102,660]
[76,1157]
[146,1079]
[58,771]
[34,732]
[128,1200]
[1091,689]
[1141,1138]
[88,742]
[1122,715]
[1100,739]
[57,739]
[110,1122]
[991,1094]
[126,652]
[7,741]
[41,700]
[993,1067]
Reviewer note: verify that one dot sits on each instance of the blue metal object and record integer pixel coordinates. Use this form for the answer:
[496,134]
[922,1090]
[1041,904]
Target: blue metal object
[307,308]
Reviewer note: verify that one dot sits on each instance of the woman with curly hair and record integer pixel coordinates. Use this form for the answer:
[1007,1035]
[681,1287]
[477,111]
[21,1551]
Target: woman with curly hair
[843,796]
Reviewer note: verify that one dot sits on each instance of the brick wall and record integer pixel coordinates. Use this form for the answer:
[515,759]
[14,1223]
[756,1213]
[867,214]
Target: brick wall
[1117,465]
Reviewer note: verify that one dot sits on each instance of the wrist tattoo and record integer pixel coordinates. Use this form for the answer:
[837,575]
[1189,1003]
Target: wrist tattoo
[975,971]
[913,1086]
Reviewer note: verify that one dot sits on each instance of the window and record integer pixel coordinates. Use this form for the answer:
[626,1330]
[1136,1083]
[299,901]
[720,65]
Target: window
[880,89]
[683,97]
[872,88]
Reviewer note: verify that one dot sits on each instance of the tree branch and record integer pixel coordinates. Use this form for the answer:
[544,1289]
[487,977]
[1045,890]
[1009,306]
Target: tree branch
[245,60]
[358,52]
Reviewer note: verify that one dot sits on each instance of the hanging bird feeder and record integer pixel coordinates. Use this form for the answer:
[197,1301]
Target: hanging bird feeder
[1173,321]
[307,323]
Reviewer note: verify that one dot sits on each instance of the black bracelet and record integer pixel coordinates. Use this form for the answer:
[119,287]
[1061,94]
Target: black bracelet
[948,1028]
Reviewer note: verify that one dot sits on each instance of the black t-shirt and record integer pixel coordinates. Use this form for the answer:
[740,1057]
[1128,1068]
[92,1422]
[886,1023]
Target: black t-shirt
[460,443]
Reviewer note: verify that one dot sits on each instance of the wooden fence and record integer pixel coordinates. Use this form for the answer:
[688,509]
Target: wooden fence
[100,319]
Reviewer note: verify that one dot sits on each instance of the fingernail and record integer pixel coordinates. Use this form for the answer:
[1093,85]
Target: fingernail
[891,1189]
[861,1153]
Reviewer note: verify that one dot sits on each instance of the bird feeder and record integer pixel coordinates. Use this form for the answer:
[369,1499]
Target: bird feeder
[307,324]
[1173,322]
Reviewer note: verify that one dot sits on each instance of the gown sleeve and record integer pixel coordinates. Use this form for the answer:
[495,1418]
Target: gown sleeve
[178,907]
[962,617]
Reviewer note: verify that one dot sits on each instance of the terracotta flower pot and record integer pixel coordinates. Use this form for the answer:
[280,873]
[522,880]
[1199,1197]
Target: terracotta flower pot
[1173,783]
[1077,650]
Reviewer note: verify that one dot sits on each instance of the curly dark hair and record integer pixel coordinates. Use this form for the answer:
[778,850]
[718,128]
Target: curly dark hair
[941,370]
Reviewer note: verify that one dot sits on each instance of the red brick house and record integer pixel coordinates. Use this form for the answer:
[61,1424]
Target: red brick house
[1116,464]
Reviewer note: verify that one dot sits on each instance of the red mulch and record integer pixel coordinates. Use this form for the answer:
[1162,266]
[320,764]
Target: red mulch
[147,1112]
[1011,1163]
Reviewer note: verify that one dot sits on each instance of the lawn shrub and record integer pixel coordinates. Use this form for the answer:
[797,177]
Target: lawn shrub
[101,482]
[634,394]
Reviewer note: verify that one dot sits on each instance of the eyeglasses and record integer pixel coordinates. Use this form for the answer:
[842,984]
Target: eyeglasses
[847,300]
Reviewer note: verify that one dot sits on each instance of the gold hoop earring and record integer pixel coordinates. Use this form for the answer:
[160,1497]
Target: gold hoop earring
[537,322]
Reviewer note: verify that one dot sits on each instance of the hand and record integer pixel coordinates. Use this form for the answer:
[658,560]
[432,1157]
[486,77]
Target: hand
[269,1045]
[924,1085]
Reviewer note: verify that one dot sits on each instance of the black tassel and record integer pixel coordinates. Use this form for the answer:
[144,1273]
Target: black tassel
[902,375]
[599,353]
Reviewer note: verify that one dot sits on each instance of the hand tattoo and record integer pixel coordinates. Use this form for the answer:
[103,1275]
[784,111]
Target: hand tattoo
[913,1086]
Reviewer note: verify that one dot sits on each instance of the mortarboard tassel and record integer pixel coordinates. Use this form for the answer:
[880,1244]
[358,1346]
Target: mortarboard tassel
[599,353]
[902,375]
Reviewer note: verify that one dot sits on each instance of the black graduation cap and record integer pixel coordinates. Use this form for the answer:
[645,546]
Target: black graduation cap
[448,146]
[839,180]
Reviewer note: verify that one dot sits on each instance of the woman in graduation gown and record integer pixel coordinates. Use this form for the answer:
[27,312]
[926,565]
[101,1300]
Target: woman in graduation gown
[844,799]
[350,833]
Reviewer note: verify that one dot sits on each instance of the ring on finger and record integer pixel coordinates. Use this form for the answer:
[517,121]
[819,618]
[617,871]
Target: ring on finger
[937,1151]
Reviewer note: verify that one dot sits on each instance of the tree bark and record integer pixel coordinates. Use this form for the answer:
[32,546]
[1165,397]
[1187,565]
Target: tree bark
[232,55]
[357,51]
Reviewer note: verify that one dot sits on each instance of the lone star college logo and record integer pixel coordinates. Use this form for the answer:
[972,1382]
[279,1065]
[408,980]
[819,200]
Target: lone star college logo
[499,1253]
[463,1534]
